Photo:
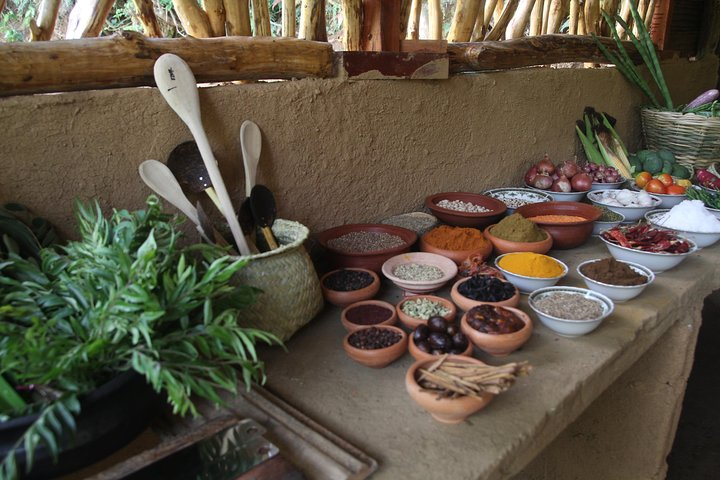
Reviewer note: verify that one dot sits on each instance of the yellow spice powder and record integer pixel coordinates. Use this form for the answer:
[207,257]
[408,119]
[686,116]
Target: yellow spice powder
[531,264]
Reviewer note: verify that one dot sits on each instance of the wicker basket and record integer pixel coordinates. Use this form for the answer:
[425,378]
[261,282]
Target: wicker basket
[291,294]
[693,139]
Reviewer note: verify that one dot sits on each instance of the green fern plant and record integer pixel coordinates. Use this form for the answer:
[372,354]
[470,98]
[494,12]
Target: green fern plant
[126,296]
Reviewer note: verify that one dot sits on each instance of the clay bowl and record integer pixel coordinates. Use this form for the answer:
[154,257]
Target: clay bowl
[420,355]
[445,410]
[447,266]
[565,235]
[378,358]
[369,260]
[343,299]
[412,322]
[496,209]
[500,345]
[351,327]
[466,303]
[507,246]
[456,256]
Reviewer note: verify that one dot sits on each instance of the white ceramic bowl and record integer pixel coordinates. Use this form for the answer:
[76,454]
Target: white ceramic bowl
[631,214]
[599,226]
[666,200]
[701,239]
[657,262]
[529,284]
[448,267]
[561,196]
[714,211]
[618,293]
[514,197]
[606,186]
[571,328]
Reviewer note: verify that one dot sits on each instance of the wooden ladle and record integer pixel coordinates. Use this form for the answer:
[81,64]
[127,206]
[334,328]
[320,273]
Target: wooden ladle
[186,163]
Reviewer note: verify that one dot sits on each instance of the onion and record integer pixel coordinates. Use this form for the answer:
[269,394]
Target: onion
[569,168]
[581,182]
[562,184]
[543,182]
[545,166]
[586,168]
[530,175]
[555,176]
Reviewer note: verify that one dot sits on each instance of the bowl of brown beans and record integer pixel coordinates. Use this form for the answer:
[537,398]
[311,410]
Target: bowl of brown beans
[570,224]
[498,331]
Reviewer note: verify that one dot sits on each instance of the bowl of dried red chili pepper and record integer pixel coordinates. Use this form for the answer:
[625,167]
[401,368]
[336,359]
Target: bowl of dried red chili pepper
[655,248]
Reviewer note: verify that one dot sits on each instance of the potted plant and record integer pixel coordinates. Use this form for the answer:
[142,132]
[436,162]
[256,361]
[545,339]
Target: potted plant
[124,306]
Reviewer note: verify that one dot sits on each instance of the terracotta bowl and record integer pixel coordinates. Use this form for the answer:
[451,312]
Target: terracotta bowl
[343,299]
[412,322]
[369,260]
[508,246]
[381,357]
[447,266]
[445,410]
[351,327]
[467,219]
[565,235]
[420,355]
[455,255]
[466,303]
[500,345]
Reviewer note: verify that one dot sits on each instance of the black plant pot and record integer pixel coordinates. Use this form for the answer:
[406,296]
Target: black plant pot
[110,417]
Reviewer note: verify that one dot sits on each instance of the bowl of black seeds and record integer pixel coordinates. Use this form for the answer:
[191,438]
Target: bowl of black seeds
[365,245]
[484,290]
[344,286]
[376,347]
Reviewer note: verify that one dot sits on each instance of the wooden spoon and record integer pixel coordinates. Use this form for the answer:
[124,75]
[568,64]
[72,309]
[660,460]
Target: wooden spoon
[251,146]
[177,85]
[186,163]
[262,204]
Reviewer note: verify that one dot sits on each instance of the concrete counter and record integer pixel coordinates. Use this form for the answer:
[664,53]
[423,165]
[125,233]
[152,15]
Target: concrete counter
[640,357]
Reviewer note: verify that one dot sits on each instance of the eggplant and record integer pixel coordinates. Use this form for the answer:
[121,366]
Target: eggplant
[705,97]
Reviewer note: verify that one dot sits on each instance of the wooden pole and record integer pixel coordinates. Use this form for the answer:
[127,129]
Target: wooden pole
[573,20]
[288,18]
[479,27]
[216,16]
[555,16]
[127,60]
[237,18]
[405,6]
[489,9]
[193,18]
[581,21]
[592,16]
[649,14]
[545,17]
[380,26]
[501,23]
[435,19]
[610,7]
[352,11]
[463,22]
[516,27]
[261,18]
[530,51]
[312,20]
[536,18]
[414,22]
[47,16]
[87,18]
[642,7]
[626,15]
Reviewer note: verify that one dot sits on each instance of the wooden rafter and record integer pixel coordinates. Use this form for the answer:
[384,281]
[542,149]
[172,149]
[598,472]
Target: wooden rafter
[237,18]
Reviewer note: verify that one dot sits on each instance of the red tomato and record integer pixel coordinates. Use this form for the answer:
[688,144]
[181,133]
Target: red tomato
[655,186]
[666,179]
[676,190]
[642,178]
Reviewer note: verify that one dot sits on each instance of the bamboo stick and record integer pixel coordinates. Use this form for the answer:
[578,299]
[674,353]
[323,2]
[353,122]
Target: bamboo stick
[288,18]
[626,15]
[592,16]
[87,18]
[352,11]
[193,18]
[414,21]
[127,59]
[498,29]
[573,17]
[435,19]
[649,14]
[44,27]
[555,16]
[216,15]
[463,22]
[237,18]
[536,18]
[261,18]
[312,20]
[516,28]
[404,17]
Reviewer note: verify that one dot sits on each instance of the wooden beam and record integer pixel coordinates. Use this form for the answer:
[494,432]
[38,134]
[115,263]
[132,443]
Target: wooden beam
[394,65]
[127,60]
[530,51]
[237,18]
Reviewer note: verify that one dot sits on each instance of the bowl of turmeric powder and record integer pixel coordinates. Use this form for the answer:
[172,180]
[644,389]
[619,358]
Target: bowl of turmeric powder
[529,271]
[456,243]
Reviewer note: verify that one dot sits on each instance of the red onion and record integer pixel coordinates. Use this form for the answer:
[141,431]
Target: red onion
[562,184]
[555,176]
[569,168]
[545,166]
[530,175]
[543,182]
[581,182]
